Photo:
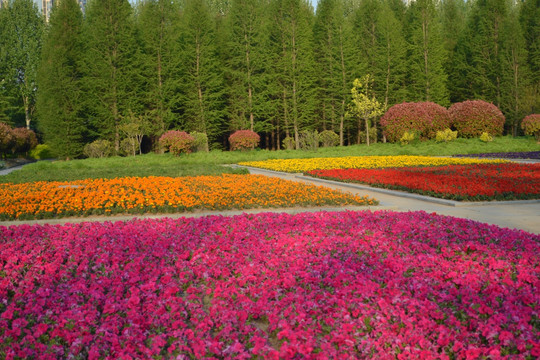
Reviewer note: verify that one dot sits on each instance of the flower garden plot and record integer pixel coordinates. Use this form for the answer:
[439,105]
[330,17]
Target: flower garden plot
[312,285]
[162,194]
[507,181]
[533,155]
[358,162]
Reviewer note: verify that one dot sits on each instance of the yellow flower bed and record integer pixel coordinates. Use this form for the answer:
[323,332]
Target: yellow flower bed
[357,162]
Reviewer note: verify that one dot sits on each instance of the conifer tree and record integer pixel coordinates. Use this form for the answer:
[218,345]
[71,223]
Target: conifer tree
[426,54]
[111,66]
[59,97]
[391,51]
[158,23]
[291,42]
[453,15]
[515,71]
[530,22]
[245,65]
[485,49]
[202,79]
[332,51]
[21,29]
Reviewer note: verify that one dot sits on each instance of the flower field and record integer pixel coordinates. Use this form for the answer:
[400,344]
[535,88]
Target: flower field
[162,194]
[358,162]
[505,181]
[313,285]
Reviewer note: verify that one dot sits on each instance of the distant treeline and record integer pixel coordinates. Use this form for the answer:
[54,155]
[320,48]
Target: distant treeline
[277,67]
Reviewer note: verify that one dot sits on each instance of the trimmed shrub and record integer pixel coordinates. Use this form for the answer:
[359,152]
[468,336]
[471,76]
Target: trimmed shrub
[309,140]
[41,152]
[288,143]
[372,136]
[328,138]
[446,135]
[531,125]
[7,138]
[244,140]
[200,143]
[471,118]
[177,142]
[485,137]
[422,118]
[98,149]
[25,140]
[407,138]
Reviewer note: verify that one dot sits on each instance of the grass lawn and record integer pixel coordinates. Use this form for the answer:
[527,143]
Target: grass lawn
[211,163]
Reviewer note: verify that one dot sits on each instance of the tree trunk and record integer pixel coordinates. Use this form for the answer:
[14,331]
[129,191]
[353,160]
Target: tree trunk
[367,130]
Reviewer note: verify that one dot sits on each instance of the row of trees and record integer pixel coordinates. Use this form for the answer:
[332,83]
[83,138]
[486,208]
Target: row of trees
[272,66]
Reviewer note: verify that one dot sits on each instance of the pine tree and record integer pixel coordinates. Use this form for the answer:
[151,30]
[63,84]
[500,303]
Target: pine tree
[293,54]
[158,23]
[426,56]
[391,51]
[485,38]
[58,101]
[21,32]
[453,15]
[332,51]
[202,79]
[245,65]
[530,22]
[515,71]
[111,66]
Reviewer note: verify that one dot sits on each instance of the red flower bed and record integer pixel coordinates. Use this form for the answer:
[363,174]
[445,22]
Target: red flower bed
[313,285]
[506,181]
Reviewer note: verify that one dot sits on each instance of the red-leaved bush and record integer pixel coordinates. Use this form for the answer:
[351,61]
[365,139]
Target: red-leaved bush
[25,140]
[177,142]
[531,125]
[244,140]
[7,138]
[471,118]
[422,118]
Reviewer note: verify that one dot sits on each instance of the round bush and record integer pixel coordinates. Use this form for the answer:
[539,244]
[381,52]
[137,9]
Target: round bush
[244,140]
[99,149]
[7,138]
[328,138]
[531,125]
[25,140]
[177,142]
[471,118]
[41,152]
[422,118]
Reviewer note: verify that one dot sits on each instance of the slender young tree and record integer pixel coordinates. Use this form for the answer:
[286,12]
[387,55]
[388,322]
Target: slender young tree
[202,78]
[111,66]
[59,96]
[426,54]
[158,25]
[21,29]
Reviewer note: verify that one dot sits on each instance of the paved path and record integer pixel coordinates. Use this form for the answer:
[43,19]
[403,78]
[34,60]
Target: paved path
[524,215]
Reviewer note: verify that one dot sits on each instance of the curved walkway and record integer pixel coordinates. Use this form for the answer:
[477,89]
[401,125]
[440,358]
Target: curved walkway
[522,215]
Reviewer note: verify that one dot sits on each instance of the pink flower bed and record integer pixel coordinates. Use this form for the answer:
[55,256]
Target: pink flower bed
[314,285]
